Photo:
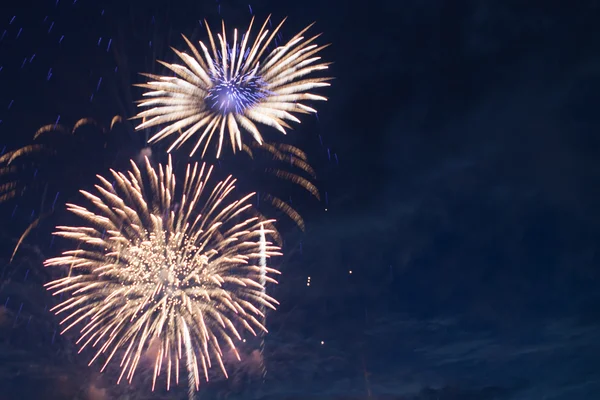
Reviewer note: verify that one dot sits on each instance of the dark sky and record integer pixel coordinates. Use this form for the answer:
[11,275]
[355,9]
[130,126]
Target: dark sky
[464,201]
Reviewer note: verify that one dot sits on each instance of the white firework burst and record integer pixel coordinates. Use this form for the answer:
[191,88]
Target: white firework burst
[234,86]
[164,275]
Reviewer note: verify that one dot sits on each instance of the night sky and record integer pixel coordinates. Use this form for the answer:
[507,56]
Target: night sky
[454,252]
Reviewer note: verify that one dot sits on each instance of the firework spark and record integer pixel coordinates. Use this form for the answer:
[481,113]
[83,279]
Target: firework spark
[233,87]
[153,270]
[45,170]
[293,167]
[56,155]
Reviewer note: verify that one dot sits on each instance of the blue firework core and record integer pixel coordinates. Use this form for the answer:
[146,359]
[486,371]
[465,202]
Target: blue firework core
[236,94]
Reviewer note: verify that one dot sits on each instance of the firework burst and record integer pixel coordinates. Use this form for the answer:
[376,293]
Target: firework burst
[174,276]
[234,86]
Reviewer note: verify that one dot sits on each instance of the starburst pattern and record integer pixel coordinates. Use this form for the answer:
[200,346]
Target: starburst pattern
[233,86]
[161,273]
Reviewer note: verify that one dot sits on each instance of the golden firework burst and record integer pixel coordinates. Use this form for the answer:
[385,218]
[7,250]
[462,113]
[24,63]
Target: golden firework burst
[170,274]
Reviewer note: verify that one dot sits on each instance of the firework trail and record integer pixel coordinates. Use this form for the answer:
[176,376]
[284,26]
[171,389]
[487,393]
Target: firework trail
[192,381]
[156,266]
[233,87]
[44,171]
[283,162]
[263,282]
[52,156]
